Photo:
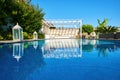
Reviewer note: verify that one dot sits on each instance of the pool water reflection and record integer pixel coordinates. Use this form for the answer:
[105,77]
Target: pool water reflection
[60,48]
[60,59]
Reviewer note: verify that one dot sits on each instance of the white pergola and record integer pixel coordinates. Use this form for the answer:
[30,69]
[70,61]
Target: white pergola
[63,24]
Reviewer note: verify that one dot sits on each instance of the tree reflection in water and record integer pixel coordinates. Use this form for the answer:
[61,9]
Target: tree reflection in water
[104,49]
[88,45]
[103,46]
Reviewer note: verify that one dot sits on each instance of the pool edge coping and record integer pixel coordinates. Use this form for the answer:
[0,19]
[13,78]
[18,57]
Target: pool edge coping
[12,41]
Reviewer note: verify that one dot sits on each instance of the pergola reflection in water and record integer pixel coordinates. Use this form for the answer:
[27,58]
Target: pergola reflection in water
[62,48]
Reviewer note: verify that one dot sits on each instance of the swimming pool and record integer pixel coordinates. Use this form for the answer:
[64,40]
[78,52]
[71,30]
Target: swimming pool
[60,59]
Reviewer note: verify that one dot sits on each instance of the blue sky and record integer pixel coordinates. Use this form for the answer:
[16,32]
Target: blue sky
[87,10]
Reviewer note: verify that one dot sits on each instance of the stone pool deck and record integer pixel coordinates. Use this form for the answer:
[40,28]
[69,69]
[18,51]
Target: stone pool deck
[12,41]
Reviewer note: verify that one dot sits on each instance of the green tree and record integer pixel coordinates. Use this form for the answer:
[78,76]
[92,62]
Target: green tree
[6,7]
[87,28]
[27,15]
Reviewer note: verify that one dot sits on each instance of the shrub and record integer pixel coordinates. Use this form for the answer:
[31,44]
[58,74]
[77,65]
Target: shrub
[87,28]
[30,36]
[41,36]
[9,36]
[25,35]
[1,38]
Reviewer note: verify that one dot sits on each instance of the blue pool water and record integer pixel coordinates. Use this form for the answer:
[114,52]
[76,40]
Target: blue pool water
[60,59]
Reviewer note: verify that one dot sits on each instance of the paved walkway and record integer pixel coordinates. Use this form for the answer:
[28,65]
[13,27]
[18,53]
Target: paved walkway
[11,41]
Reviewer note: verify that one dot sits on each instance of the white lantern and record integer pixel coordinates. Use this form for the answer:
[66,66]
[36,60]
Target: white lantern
[17,33]
[35,35]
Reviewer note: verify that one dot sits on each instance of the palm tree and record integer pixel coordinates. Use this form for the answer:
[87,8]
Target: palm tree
[103,28]
[104,23]
[110,29]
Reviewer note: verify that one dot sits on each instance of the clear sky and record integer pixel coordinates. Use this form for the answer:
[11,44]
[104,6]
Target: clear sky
[87,10]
